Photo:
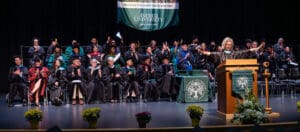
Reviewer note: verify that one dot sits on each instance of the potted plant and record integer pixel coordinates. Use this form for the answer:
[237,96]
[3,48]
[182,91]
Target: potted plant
[34,116]
[298,106]
[91,115]
[143,118]
[249,111]
[195,112]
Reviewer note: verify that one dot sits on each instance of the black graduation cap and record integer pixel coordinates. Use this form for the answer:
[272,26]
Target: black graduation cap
[128,58]
[75,46]
[145,57]
[37,60]
[165,57]
[57,46]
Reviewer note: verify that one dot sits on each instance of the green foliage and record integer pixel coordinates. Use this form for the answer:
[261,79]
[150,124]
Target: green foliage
[33,115]
[91,114]
[195,111]
[144,117]
[298,106]
[249,111]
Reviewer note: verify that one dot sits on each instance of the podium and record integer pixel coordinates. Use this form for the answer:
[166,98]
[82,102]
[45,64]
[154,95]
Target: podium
[233,76]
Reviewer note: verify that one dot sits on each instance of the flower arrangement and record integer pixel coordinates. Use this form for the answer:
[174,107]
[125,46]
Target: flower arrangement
[298,106]
[249,111]
[91,115]
[143,118]
[195,112]
[34,116]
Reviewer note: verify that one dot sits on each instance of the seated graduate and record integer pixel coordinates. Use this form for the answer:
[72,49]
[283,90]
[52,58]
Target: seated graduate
[133,54]
[58,54]
[129,76]
[93,43]
[17,78]
[35,51]
[95,86]
[112,80]
[70,48]
[166,79]
[38,79]
[228,52]
[76,76]
[146,78]
[185,58]
[95,54]
[57,82]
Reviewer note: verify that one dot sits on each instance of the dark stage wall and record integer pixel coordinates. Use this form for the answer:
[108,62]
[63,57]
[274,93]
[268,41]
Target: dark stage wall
[21,20]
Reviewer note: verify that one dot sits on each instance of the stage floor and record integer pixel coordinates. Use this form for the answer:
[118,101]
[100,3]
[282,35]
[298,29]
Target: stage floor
[122,115]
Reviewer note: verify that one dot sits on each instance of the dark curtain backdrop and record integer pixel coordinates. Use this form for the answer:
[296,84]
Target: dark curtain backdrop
[21,20]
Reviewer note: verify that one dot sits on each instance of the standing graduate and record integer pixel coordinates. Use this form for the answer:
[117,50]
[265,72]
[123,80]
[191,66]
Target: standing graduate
[17,78]
[57,82]
[146,78]
[76,75]
[95,86]
[38,79]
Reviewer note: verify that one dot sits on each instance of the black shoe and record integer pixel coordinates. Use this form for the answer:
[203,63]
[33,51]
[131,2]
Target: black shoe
[170,99]
[10,105]
[145,100]
[25,103]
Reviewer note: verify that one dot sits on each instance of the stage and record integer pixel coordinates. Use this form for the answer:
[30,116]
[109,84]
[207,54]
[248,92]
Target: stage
[122,115]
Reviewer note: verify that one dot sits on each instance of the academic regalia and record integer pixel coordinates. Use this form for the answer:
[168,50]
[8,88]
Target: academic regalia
[147,80]
[166,80]
[39,54]
[35,74]
[18,83]
[69,51]
[95,85]
[201,62]
[58,76]
[185,63]
[90,47]
[59,56]
[130,80]
[76,79]
[135,56]
[118,63]
[111,82]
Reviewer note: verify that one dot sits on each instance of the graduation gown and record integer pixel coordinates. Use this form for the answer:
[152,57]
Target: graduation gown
[82,78]
[166,80]
[17,83]
[34,76]
[95,86]
[59,76]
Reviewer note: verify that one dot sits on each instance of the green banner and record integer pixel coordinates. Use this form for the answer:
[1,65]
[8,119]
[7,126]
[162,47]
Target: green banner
[193,89]
[241,79]
[148,15]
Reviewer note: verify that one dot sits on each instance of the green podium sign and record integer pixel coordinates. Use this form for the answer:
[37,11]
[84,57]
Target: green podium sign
[193,89]
[241,79]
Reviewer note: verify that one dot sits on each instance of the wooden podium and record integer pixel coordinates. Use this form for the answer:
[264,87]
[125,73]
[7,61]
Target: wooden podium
[226,100]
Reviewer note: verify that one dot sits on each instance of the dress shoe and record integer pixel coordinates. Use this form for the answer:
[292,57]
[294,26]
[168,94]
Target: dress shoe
[74,102]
